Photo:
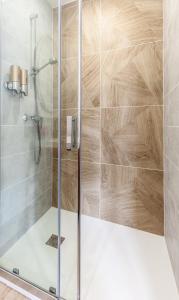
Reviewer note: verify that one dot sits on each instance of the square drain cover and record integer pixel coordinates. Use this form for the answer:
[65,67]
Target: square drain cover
[53,241]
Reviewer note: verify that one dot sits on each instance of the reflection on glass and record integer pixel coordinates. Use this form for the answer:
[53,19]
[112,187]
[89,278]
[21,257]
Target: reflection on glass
[28,207]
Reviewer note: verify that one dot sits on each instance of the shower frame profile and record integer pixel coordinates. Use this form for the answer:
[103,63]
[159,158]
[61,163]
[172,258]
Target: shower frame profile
[79,37]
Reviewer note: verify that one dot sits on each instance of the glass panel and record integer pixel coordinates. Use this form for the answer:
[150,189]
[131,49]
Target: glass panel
[29,112]
[69,148]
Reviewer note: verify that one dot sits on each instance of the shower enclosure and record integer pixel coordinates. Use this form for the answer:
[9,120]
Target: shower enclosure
[40,139]
[81,128]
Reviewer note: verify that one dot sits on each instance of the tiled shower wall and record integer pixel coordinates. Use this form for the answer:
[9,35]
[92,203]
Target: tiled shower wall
[171,96]
[25,186]
[122,111]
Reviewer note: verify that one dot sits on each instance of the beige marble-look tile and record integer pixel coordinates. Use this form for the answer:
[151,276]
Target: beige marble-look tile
[132,76]
[69,83]
[127,23]
[132,136]
[90,141]
[91,26]
[153,12]
[55,125]
[91,81]
[132,197]
[68,154]
[90,188]
[69,185]
[70,30]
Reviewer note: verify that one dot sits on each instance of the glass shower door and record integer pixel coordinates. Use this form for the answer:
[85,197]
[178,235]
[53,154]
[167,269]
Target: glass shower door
[69,137]
[29,218]
[40,135]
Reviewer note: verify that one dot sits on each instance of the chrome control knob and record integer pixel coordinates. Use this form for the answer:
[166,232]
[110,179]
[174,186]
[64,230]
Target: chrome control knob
[25,118]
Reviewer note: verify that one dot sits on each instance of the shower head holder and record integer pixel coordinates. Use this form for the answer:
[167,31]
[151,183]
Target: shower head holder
[35,71]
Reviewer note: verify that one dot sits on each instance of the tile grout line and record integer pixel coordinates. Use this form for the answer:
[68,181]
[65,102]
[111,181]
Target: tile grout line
[114,107]
[112,49]
[132,167]
[132,46]
[112,164]
[24,180]
[17,154]
[132,106]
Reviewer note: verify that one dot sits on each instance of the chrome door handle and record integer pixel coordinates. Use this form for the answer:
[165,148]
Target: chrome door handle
[72,133]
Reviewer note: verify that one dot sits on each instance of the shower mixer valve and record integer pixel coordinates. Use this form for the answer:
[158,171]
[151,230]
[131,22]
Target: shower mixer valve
[35,118]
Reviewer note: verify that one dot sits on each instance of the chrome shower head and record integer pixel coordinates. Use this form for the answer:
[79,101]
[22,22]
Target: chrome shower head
[52,61]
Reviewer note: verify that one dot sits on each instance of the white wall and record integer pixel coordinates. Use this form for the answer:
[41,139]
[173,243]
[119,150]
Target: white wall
[25,186]
[171,133]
